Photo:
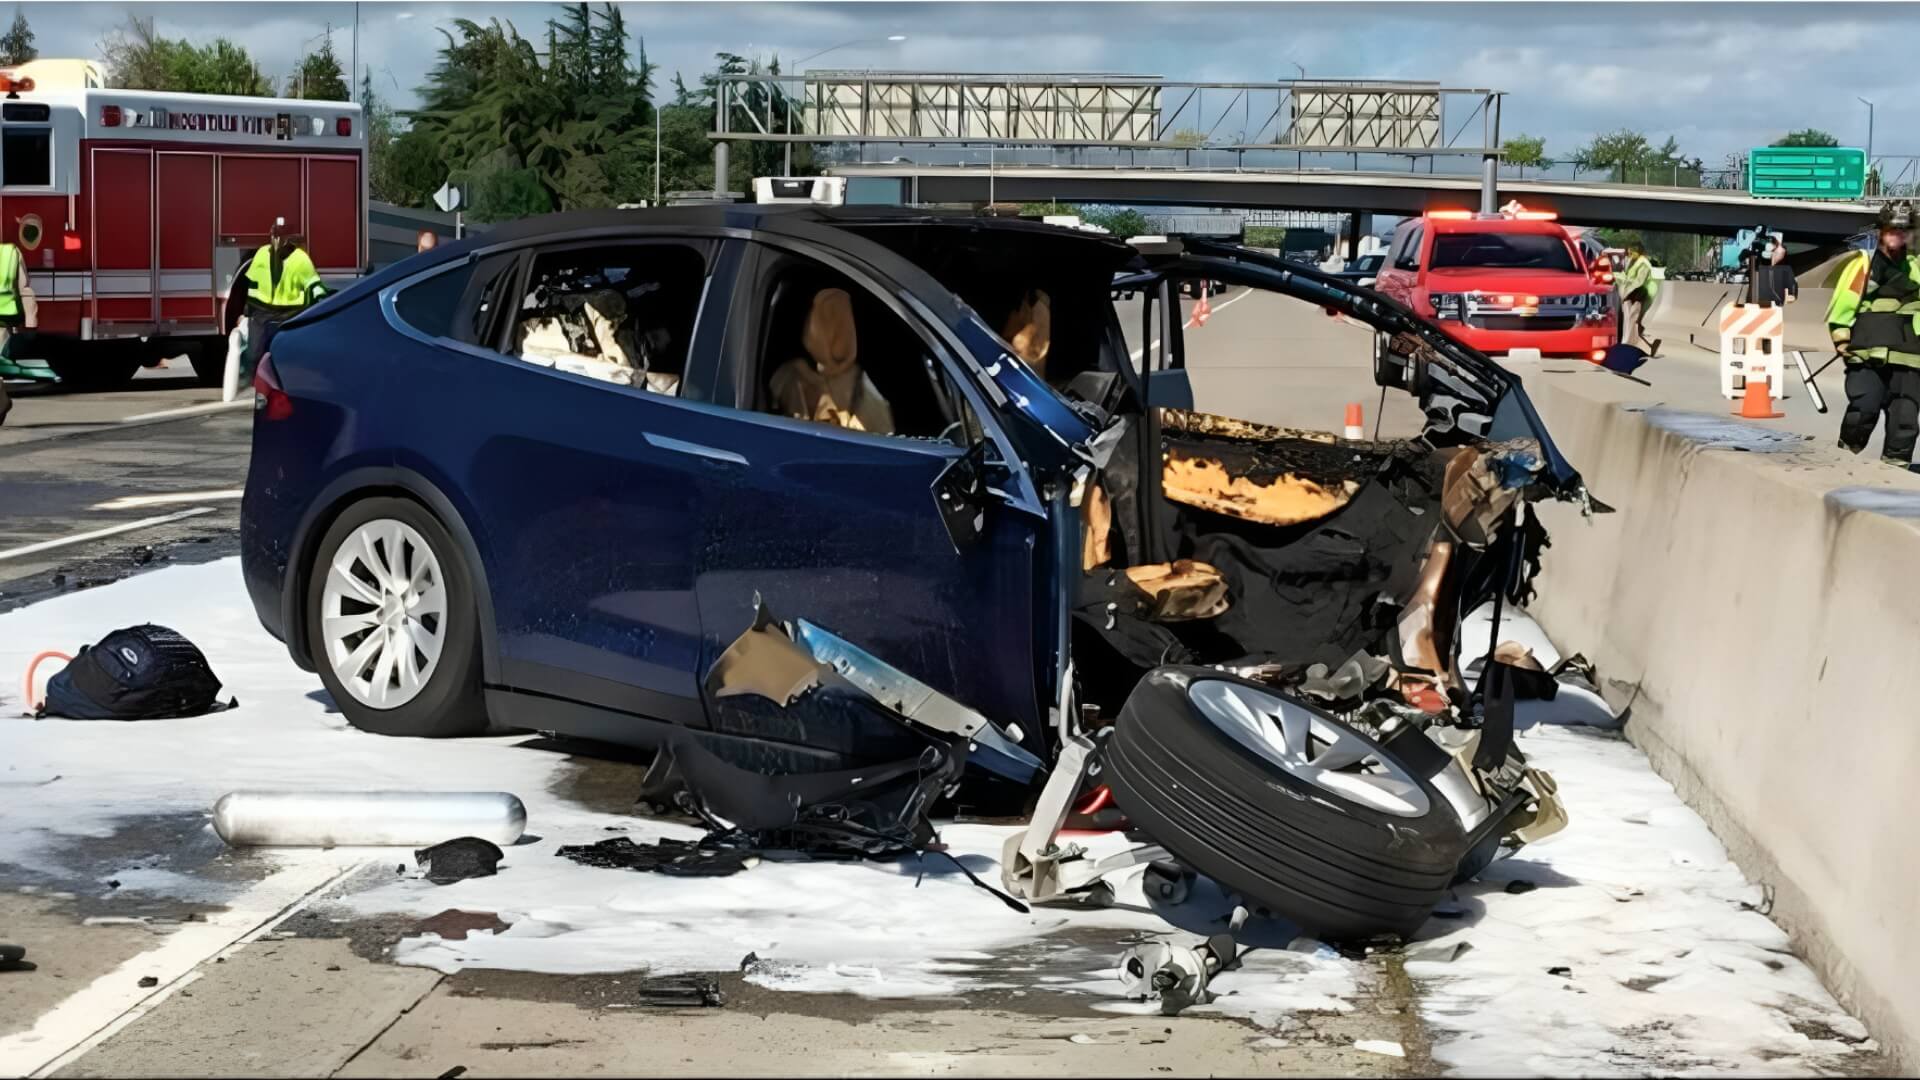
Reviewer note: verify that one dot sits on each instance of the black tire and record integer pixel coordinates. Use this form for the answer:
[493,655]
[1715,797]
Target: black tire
[1388,371]
[451,704]
[209,359]
[1340,870]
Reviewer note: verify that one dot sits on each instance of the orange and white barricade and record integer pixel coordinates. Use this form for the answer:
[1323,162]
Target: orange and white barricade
[1753,345]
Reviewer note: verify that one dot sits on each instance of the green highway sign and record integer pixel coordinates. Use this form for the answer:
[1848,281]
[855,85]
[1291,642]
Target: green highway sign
[1807,172]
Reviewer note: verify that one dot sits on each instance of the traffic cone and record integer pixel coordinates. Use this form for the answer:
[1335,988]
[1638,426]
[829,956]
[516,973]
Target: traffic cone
[1758,402]
[1203,310]
[1356,423]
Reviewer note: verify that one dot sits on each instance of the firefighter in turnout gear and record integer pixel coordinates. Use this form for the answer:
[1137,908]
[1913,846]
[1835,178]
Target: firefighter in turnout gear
[280,282]
[1875,323]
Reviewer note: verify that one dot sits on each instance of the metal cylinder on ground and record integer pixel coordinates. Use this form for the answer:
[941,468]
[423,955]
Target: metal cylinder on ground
[366,818]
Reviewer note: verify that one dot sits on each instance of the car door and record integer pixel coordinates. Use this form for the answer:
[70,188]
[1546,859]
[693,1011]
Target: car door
[584,495]
[844,528]
[1401,271]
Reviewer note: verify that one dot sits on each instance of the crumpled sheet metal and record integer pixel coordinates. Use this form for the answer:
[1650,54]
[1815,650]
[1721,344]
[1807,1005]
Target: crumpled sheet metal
[1483,482]
[783,663]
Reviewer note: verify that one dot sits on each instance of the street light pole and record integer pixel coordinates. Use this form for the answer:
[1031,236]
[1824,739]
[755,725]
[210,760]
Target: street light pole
[1869,106]
[787,147]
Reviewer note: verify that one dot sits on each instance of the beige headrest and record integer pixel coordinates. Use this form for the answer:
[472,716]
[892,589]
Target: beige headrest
[1030,330]
[829,336]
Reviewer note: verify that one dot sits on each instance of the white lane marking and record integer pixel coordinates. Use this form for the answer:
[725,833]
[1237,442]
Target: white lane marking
[135,502]
[208,407]
[1188,325]
[143,523]
[114,1000]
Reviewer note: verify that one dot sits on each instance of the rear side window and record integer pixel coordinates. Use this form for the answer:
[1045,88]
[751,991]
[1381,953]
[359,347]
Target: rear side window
[26,157]
[1502,251]
[429,306]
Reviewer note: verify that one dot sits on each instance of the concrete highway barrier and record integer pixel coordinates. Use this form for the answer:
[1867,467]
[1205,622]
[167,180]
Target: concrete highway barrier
[1693,307]
[1755,612]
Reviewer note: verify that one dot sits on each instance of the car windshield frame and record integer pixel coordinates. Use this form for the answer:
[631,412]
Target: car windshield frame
[1455,249]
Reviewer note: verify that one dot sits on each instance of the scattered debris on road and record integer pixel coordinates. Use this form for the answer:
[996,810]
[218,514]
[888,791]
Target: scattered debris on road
[459,859]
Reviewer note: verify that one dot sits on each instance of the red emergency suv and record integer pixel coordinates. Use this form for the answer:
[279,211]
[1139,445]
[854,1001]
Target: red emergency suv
[1500,282]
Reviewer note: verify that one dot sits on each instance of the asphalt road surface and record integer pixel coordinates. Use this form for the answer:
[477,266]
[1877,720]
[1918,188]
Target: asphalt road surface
[98,485]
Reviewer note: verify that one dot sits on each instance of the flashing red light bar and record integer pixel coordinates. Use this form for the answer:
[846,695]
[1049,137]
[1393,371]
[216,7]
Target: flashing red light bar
[1450,215]
[14,84]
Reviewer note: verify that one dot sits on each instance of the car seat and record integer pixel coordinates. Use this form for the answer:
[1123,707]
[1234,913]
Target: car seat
[1029,329]
[828,384]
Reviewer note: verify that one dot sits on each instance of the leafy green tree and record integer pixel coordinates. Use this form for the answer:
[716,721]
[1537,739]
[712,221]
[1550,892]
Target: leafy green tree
[1524,151]
[319,78]
[1806,137]
[16,45]
[500,189]
[1123,222]
[138,58]
[1631,158]
[1188,137]
[1266,236]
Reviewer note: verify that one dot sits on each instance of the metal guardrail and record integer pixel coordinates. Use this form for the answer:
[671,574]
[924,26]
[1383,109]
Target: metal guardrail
[1117,111]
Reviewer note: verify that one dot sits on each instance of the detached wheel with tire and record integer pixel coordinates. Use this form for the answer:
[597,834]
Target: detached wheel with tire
[1283,804]
[392,624]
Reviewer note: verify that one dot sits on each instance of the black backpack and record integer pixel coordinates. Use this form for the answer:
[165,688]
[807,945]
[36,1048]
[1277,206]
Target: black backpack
[140,673]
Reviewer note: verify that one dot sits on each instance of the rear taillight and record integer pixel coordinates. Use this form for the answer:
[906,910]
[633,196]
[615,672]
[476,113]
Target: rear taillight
[269,400]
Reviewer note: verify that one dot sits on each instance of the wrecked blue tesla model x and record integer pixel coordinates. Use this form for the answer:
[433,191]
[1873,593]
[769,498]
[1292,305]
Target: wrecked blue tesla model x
[808,492]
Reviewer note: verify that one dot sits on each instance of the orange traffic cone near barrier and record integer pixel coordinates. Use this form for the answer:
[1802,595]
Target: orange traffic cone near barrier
[1203,310]
[1758,402]
[1356,422]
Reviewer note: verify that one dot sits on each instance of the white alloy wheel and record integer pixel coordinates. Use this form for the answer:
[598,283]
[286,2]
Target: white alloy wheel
[1310,747]
[383,613]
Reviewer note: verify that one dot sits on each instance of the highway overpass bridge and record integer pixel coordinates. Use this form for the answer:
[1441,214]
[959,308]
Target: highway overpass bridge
[1700,210]
[1383,141]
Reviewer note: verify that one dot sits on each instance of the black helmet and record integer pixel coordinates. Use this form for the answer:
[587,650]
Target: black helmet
[1896,215]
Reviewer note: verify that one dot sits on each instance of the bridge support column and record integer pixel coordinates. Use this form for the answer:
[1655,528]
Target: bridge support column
[720,167]
[1358,224]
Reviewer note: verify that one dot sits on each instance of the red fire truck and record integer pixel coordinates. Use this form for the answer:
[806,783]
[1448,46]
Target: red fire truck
[135,209]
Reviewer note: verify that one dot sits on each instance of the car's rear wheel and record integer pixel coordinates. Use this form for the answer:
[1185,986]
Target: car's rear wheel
[392,624]
[1283,804]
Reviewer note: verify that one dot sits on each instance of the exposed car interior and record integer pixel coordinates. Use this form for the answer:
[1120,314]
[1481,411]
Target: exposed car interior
[622,315]
[831,352]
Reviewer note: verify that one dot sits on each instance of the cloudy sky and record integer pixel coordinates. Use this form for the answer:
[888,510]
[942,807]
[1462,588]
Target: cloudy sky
[1719,77]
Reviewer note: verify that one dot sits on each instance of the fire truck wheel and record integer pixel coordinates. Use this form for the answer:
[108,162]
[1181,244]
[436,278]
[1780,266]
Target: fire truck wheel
[87,369]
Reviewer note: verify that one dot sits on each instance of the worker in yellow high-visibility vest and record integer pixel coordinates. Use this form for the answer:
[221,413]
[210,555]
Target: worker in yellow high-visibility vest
[281,281]
[18,310]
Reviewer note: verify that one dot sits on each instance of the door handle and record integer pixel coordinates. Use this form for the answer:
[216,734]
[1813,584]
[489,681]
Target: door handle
[681,446]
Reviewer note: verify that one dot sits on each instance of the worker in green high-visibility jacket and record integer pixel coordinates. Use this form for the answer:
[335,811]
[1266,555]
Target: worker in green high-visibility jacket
[1638,288]
[280,282]
[1874,320]
[18,310]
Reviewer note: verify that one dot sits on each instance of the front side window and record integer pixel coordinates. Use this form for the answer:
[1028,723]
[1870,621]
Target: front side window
[26,156]
[830,351]
[1502,251]
[1410,252]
